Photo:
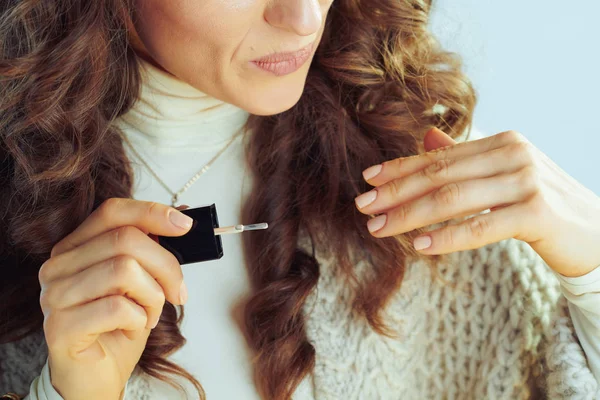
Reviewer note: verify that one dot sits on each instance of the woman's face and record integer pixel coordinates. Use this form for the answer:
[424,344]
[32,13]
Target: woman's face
[213,45]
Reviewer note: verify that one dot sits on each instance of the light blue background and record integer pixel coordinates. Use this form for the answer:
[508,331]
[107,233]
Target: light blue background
[535,65]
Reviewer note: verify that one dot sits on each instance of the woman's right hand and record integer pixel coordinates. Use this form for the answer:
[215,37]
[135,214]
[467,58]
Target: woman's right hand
[103,290]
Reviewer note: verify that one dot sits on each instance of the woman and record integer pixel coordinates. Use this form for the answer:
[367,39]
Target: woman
[109,107]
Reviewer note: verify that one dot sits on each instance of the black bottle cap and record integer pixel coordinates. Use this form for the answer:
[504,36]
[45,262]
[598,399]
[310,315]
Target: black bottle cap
[200,243]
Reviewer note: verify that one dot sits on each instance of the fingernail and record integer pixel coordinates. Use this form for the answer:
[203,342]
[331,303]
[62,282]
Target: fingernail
[156,323]
[376,223]
[180,220]
[372,172]
[366,198]
[183,293]
[422,242]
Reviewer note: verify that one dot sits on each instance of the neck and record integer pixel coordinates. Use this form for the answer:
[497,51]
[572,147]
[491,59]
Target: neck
[172,114]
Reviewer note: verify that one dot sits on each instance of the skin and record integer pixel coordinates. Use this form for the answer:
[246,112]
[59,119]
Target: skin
[209,44]
[102,291]
[529,197]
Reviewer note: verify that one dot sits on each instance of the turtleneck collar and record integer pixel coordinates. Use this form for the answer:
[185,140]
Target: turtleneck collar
[170,114]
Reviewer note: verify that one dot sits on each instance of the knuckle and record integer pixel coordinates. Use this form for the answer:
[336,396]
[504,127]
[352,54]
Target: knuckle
[403,212]
[159,300]
[505,139]
[529,179]
[120,307]
[171,264]
[536,205]
[479,227]
[61,247]
[123,269]
[394,187]
[448,237]
[524,151]
[44,304]
[110,206]
[396,163]
[447,194]
[153,208]
[47,298]
[512,136]
[117,305]
[55,249]
[438,171]
[43,272]
[175,269]
[124,237]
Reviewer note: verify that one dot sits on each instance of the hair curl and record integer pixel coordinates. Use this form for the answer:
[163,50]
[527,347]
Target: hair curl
[67,71]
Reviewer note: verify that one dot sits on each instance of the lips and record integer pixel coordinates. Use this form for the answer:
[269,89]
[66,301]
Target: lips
[284,63]
[284,56]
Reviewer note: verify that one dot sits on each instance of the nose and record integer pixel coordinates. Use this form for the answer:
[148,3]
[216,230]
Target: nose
[302,17]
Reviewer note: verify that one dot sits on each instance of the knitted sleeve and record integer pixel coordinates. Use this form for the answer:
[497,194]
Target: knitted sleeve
[41,388]
[24,370]
[583,296]
[561,369]
[21,362]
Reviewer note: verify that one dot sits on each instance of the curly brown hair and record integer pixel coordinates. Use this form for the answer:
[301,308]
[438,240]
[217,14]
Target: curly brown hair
[68,71]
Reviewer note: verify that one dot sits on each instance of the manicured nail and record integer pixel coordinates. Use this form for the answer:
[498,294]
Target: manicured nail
[372,172]
[180,220]
[422,242]
[366,198]
[183,293]
[376,223]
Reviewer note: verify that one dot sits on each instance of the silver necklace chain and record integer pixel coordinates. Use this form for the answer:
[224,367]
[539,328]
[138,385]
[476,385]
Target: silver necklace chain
[206,167]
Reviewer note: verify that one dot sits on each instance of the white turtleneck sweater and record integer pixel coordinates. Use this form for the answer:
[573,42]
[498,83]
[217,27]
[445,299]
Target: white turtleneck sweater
[178,129]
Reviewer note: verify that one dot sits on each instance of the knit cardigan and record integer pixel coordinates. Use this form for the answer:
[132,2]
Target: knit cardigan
[492,325]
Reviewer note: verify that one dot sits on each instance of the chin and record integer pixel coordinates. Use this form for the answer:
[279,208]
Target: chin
[273,108]
[265,100]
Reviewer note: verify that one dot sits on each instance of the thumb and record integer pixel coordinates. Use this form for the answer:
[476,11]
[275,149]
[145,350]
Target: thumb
[181,207]
[436,138]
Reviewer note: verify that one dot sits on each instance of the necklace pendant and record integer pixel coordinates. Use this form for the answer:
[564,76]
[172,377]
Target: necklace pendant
[206,167]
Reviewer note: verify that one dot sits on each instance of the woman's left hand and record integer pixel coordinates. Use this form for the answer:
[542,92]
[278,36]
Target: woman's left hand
[529,197]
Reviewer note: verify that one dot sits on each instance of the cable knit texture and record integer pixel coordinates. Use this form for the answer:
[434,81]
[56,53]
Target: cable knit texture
[21,362]
[493,325]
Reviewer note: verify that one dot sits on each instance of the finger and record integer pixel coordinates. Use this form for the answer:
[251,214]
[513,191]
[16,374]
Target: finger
[121,275]
[404,166]
[125,241]
[458,198]
[436,138]
[181,207]
[149,217]
[76,328]
[438,174]
[475,232]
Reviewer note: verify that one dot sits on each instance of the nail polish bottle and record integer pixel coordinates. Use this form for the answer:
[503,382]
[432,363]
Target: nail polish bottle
[203,241]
